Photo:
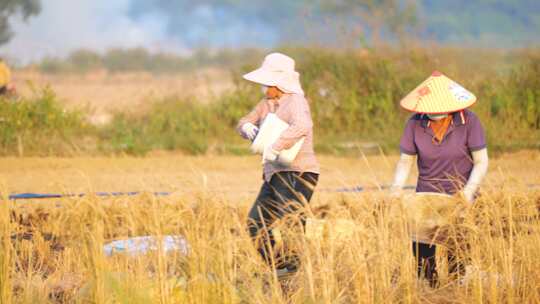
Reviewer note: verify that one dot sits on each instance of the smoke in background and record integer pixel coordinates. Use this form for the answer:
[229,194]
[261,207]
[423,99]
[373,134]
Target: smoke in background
[66,25]
[181,25]
[160,26]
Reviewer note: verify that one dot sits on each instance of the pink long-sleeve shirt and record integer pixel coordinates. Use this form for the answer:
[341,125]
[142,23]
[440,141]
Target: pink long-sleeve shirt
[294,110]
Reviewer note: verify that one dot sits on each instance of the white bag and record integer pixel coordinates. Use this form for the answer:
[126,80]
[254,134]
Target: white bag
[269,133]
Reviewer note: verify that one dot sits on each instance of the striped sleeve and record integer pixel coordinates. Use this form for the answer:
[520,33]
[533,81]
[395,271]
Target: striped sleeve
[300,125]
[253,117]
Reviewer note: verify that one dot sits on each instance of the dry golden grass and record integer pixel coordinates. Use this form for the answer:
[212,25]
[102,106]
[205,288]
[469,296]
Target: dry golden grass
[224,175]
[63,261]
[105,92]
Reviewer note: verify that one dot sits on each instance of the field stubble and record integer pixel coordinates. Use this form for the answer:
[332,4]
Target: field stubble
[53,250]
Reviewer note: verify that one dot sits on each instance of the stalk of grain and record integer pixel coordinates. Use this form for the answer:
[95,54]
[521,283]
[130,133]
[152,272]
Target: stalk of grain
[6,258]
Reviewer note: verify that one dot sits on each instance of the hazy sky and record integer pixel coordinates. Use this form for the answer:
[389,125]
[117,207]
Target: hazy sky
[178,25]
[65,25]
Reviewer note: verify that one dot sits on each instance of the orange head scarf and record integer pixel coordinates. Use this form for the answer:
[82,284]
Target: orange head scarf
[440,127]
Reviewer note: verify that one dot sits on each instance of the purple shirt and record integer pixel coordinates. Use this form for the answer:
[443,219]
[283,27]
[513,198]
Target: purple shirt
[443,167]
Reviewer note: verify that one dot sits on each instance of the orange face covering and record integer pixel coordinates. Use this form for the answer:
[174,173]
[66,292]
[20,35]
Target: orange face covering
[440,127]
[273,93]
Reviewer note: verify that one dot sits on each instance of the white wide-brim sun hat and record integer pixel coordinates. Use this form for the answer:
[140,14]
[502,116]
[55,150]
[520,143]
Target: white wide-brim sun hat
[277,70]
[438,95]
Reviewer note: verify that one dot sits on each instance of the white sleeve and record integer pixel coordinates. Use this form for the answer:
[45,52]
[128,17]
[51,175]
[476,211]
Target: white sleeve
[403,169]
[479,171]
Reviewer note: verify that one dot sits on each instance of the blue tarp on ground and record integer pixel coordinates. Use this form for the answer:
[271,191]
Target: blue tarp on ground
[143,244]
[28,196]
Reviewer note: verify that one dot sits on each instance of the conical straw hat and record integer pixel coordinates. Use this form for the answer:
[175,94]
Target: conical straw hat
[438,95]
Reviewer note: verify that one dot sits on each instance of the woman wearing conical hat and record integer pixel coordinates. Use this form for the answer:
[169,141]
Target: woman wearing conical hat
[286,187]
[450,146]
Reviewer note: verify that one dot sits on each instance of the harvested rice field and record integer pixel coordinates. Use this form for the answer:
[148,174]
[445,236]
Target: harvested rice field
[123,178]
[356,248]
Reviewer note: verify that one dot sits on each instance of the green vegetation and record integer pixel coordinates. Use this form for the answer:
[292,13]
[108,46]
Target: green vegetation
[40,126]
[354,97]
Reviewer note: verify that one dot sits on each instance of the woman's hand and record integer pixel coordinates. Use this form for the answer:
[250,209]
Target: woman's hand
[479,171]
[11,89]
[250,130]
[465,196]
[468,195]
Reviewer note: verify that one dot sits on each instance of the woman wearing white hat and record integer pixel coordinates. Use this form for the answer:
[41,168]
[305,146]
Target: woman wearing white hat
[449,143]
[286,187]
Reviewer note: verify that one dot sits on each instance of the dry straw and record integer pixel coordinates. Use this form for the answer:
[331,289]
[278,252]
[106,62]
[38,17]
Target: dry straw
[369,261]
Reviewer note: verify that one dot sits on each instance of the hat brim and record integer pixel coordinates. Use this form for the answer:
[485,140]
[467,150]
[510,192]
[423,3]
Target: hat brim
[261,76]
[288,83]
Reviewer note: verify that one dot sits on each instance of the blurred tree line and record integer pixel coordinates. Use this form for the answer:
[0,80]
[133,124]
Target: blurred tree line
[500,23]
[140,59]
[259,23]
[354,97]
[267,23]
[9,8]
[505,23]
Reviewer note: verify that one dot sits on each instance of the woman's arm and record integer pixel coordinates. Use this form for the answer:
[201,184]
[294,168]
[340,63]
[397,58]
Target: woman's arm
[254,117]
[408,154]
[480,168]
[300,125]
[402,172]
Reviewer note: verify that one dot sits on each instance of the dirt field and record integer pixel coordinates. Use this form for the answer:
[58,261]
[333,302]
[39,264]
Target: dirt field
[230,176]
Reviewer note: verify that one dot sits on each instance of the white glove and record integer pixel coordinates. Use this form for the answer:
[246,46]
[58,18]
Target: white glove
[403,168]
[480,168]
[250,130]
[270,155]
[468,195]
